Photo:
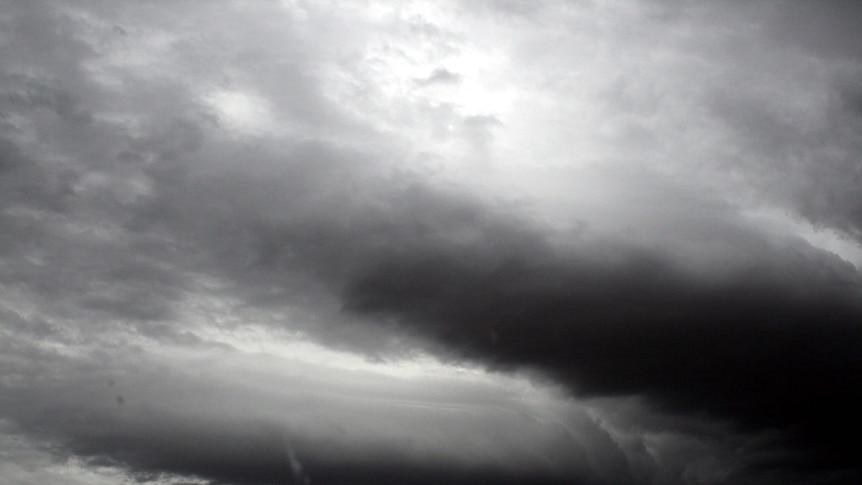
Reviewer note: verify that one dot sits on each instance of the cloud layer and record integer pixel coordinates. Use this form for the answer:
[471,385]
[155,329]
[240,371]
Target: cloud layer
[472,242]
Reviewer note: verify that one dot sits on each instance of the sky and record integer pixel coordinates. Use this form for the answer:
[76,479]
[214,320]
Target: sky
[467,242]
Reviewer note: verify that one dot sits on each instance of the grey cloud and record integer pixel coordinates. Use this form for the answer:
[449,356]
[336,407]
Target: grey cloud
[37,34]
[60,102]
[240,420]
[826,30]
[439,76]
[810,164]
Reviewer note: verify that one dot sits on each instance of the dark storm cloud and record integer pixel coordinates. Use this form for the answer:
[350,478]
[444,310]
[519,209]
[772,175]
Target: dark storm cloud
[774,345]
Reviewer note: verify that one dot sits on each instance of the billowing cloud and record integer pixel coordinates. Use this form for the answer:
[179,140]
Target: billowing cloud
[471,242]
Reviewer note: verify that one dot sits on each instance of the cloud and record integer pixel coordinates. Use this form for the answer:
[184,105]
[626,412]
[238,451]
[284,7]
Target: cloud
[770,352]
[230,416]
[614,243]
[439,76]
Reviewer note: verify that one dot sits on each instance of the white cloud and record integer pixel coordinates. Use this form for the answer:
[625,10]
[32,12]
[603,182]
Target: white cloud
[243,112]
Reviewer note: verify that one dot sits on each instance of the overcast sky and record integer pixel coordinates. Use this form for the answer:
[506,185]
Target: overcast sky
[467,242]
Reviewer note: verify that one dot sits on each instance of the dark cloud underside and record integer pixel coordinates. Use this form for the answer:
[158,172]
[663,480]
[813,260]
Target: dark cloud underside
[760,352]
